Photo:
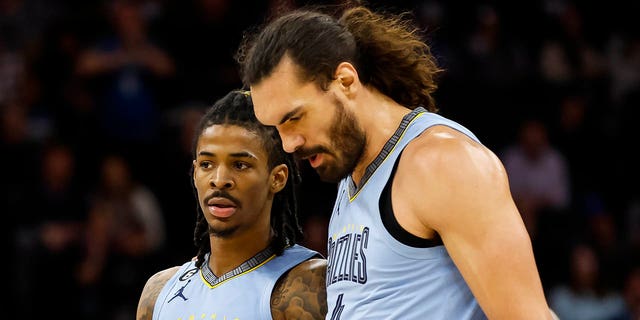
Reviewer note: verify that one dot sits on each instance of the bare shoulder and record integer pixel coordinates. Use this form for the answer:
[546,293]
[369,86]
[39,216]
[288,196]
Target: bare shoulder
[442,147]
[450,169]
[151,291]
[447,155]
[300,293]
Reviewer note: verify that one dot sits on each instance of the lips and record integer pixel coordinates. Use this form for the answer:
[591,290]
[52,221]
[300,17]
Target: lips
[314,155]
[221,207]
[315,160]
[220,202]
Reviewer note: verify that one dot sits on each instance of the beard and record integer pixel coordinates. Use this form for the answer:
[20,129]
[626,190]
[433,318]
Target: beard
[348,143]
[222,232]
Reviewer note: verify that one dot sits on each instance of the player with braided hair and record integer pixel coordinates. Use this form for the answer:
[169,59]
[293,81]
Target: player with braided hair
[248,265]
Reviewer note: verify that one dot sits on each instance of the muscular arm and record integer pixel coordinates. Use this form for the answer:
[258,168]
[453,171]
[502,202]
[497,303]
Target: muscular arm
[301,294]
[463,195]
[151,291]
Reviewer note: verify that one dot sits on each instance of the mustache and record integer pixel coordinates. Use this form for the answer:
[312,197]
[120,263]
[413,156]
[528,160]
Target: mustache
[304,153]
[222,194]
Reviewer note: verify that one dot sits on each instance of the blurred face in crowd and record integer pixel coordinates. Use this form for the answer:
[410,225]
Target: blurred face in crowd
[58,166]
[234,184]
[314,124]
[115,174]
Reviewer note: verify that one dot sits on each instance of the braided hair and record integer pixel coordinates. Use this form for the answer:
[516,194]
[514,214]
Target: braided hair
[236,108]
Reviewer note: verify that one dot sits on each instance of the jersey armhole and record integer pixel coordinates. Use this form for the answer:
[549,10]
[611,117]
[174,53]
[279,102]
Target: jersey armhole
[391,223]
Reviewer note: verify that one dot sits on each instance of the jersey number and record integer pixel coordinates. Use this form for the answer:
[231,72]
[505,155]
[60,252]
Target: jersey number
[337,310]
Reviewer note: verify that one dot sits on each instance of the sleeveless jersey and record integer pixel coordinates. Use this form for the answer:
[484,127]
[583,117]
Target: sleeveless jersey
[241,294]
[370,274]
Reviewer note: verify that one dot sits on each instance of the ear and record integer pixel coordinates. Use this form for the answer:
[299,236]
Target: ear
[347,77]
[193,176]
[279,176]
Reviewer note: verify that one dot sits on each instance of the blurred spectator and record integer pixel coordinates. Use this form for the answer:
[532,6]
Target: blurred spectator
[540,186]
[584,297]
[12,69]
[51,236]
[624,59]
[50,229]
[125,231]
[607,241]
[555,66]
[631,296]
[126,69]
[538,173]
[493,61]
[69,101]
[62,199]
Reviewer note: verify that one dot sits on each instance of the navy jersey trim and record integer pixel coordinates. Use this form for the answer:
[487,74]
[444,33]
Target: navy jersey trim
[391,223]
[259,259]
[386,149]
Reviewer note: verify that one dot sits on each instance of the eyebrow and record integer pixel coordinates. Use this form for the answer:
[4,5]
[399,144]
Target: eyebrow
[242,154]
[289,115]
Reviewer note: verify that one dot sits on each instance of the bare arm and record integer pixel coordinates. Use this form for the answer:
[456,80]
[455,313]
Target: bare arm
[97,243]
[94,62]
[151,291]
[301,294]
[463,195]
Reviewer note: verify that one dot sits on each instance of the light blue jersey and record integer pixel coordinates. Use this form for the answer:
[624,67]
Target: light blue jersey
[370,274]
[241,294]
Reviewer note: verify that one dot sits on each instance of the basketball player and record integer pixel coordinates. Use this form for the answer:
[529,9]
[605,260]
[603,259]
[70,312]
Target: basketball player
[248,265]
[424,226]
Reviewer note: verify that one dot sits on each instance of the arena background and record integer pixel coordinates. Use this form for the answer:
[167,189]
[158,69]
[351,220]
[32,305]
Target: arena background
[551,86]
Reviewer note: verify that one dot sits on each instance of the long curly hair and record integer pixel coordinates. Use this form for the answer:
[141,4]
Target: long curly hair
[387,50]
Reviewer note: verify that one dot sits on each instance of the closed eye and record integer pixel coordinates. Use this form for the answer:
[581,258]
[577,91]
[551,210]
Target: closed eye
[292,115]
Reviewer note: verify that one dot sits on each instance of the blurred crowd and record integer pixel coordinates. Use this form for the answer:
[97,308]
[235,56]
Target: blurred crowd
[98,100]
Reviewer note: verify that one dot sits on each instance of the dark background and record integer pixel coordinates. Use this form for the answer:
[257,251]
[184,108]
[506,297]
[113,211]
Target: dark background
[571,66]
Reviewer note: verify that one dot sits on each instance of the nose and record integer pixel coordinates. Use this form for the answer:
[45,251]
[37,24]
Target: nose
[221,179]
[291,142]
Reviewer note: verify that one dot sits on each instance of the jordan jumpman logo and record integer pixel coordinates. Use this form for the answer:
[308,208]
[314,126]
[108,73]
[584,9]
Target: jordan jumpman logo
[180,294]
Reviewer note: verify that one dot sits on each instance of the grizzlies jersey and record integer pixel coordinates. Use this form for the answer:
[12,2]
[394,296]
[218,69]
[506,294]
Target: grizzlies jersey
[241,294]
[370,274]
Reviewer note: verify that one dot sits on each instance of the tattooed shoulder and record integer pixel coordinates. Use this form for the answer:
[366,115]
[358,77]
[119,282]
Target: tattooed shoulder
[151,291]
[301,293]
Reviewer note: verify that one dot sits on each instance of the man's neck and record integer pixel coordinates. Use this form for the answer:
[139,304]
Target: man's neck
[228,253]
[379,116]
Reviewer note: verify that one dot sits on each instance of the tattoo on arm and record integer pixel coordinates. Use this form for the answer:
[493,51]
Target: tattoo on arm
[151,291]
[300,294]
